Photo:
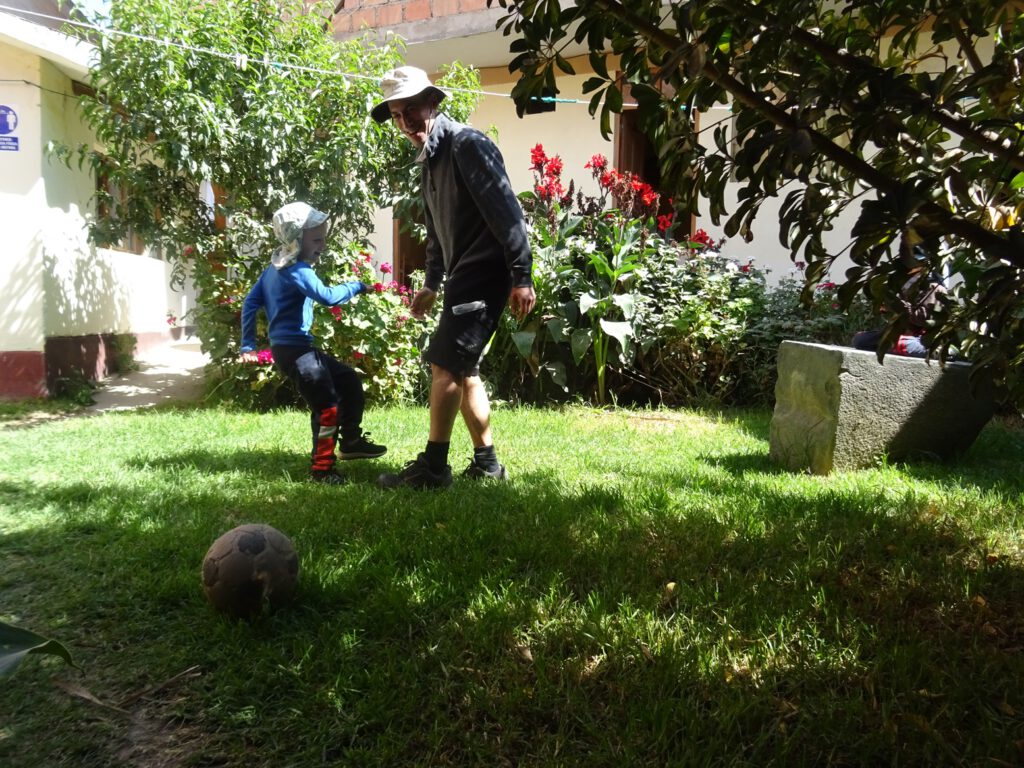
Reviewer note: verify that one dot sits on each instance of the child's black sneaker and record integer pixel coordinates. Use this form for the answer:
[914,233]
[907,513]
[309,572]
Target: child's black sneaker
[327,477]
[360,448]
[475,472]
[417,474]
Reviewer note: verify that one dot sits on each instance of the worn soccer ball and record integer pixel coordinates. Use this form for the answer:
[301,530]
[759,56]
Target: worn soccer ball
[250,568]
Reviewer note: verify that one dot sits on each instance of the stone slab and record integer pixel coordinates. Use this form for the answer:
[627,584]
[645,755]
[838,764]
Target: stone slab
[839,408]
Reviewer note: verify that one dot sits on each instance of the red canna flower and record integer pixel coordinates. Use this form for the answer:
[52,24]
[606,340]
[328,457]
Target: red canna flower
[665,222]
[537,158]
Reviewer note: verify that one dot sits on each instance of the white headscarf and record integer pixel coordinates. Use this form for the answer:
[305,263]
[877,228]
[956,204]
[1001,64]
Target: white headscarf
[289,223]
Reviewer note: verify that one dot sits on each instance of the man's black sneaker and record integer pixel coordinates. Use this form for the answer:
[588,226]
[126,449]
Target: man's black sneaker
[417,474]
[327,477]
[360,448]
[475,472]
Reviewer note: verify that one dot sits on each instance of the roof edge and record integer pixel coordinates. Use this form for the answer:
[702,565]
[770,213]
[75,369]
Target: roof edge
[71,55]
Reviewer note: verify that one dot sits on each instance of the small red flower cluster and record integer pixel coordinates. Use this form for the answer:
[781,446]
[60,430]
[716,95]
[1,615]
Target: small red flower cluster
[703,238]
[265,357]
[549,172]
[630,194]
[665,222]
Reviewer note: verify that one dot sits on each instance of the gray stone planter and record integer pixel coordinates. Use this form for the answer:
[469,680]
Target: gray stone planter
[839,408]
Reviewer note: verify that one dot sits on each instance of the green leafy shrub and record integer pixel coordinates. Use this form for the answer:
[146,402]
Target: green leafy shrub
[374,333]
[627,313]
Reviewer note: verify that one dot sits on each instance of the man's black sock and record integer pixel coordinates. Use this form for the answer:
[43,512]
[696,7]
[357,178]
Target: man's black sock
[437,455]
[485,458]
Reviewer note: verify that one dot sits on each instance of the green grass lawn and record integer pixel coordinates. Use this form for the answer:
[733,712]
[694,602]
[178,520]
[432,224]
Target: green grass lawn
[647,590]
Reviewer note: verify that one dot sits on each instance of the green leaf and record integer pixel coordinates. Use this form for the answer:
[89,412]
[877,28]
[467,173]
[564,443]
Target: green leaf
[588,301]
[580,342]
[16,643]
[627,303]
[621,332]
[556,369]
[1018,181]
[524,342]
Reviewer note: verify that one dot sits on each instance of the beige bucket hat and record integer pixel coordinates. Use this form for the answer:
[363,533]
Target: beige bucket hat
[402,83]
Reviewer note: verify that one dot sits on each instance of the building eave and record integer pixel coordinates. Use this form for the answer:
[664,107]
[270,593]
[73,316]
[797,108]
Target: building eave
[70,55]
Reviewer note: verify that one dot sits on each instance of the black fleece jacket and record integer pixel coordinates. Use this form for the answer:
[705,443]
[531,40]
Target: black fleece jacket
[476,232]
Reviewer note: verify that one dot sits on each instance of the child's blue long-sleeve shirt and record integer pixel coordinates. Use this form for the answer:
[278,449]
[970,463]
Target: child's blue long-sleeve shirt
[287,295]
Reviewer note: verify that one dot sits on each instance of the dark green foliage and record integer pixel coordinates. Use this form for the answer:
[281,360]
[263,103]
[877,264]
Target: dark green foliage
[906,112]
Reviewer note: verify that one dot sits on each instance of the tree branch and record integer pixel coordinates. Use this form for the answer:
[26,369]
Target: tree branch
[959,125]
[974,233]
[966,47]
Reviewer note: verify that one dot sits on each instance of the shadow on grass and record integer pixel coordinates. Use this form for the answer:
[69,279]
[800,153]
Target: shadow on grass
[538,622]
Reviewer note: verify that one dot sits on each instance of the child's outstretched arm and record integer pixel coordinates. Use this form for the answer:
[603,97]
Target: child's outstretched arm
[312,286]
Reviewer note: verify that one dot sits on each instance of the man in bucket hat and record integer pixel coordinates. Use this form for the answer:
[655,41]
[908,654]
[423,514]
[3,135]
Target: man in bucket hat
[477,244]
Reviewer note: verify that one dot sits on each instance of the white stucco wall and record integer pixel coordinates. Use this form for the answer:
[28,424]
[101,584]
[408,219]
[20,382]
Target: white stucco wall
[90,290]
[21,197]
[569,132]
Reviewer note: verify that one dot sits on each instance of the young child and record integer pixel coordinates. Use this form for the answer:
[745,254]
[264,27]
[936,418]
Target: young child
[286,291]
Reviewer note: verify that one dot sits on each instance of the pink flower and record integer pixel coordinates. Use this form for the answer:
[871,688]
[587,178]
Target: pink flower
[800,265]
[378,287]
[265,357]
[385,269]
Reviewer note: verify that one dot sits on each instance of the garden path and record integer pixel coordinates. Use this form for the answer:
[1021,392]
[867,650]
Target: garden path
[173,372]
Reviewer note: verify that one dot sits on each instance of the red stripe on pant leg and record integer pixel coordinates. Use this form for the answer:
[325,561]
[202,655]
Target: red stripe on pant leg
[323,452]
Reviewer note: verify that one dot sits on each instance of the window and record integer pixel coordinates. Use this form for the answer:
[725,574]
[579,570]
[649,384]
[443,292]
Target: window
[106,214]
[409,254]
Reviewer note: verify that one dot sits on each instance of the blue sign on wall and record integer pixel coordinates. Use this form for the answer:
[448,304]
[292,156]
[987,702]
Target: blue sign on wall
[8,120]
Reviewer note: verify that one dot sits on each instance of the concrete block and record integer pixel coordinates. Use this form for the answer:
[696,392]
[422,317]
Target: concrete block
[839,408]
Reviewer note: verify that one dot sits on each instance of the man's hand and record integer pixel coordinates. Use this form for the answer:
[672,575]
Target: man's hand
[249,357]
[521,302]
[422,303]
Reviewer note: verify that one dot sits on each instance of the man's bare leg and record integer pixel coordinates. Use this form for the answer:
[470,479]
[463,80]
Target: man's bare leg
[446,397]
[476,411]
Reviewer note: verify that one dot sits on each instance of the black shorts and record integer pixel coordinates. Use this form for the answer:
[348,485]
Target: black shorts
[468,320]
